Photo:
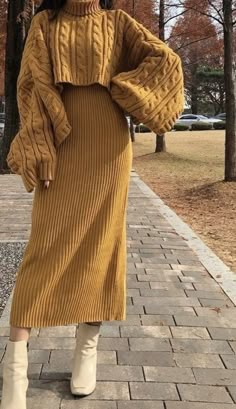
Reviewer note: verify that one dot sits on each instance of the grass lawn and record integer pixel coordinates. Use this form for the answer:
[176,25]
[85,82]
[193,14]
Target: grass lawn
[189,178]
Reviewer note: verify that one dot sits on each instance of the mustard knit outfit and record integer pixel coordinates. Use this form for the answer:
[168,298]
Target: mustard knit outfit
[80,73]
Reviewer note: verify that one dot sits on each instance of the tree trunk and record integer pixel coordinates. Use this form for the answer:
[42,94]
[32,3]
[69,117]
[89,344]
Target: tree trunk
[160,139]
[230,88]
[132,133]
[14,48]
[160,143]
[194,89]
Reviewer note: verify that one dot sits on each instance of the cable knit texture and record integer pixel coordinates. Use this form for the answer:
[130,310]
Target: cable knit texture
[83,45]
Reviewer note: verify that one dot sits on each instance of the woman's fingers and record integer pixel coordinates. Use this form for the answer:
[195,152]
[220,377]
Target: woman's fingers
[46,183]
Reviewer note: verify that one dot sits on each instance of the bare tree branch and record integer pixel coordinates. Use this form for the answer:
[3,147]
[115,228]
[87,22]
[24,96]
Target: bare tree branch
[175,16]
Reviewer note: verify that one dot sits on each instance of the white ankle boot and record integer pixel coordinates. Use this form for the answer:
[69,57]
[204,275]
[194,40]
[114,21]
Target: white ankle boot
[83,380]
[15,380]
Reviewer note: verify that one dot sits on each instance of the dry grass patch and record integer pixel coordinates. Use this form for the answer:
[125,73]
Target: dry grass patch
[189,178]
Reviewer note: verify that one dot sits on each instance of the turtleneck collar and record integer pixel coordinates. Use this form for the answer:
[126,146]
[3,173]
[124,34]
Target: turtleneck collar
[81,7]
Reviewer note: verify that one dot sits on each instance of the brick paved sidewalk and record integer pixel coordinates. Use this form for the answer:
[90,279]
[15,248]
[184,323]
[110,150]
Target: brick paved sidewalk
[177,348]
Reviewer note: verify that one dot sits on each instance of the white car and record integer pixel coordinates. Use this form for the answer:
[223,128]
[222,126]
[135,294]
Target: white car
[1,128]
[189,119]
[2,123]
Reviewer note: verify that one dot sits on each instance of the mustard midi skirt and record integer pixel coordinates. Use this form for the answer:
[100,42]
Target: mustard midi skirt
[74,266]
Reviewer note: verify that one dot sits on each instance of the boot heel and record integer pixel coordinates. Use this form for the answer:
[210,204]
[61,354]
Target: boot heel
[15,380]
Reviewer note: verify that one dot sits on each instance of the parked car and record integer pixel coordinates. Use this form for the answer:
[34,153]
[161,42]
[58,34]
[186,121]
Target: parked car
[2,123]
[189,119]
[222,116]
[128,119]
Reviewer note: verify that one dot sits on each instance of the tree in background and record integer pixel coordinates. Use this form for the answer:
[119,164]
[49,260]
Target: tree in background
[196,39]
[223,13]
[14,46]
[3,23]
[144,11]
[211,90]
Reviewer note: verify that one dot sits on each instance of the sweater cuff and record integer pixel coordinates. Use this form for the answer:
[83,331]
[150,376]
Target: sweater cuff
[29,182]
[47,170]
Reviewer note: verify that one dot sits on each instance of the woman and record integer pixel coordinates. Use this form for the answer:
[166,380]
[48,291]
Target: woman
[84,66]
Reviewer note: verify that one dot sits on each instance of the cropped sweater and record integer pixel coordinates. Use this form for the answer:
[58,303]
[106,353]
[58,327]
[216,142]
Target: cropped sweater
[82,45]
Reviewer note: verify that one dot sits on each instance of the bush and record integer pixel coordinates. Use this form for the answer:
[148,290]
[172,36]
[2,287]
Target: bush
[142,128]
[181,127]
[201,126]
[219,125]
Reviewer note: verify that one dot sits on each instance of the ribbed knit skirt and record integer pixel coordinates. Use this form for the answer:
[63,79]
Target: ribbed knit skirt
[74,266]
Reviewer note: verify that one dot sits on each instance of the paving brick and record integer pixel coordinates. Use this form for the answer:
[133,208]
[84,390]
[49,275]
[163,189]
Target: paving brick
[197,360]
[131,269]
[169,301]
[119,373]
[34,332]
[229,361]
[38,356]
[88,404]
[161,265]
[232,391]
[153,390]
[149,344]
[223,333]
[113,344]
[162,293]
[218,321]
[157,320]
[198,405]
[216,312]
[145,358]
[134,292]
[215,303]
[232,344]
[190,332]
[168,374]
[63,331]
[165,272]
[64,357]
[2,351]
[110,391]
[196,274]
[4,332]
[145,331]
[51,343]
[34,371]
[160,277]
[134,309]
[210,287]
[215,376]
[55,371]
[203,393]
[204,346]
[138,284]
[3,342]
[135,404]
[170,285]
[214,295]
[133,319]
[39,397]
[173,310]
[110,331]
[187,268]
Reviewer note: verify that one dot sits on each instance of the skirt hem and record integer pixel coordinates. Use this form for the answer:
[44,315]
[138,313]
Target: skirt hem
[61,323]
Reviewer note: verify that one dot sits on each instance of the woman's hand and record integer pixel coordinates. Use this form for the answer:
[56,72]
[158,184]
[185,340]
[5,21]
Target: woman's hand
[46,184]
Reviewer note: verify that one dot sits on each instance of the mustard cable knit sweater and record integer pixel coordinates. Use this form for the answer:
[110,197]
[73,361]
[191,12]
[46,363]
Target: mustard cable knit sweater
[82,46]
